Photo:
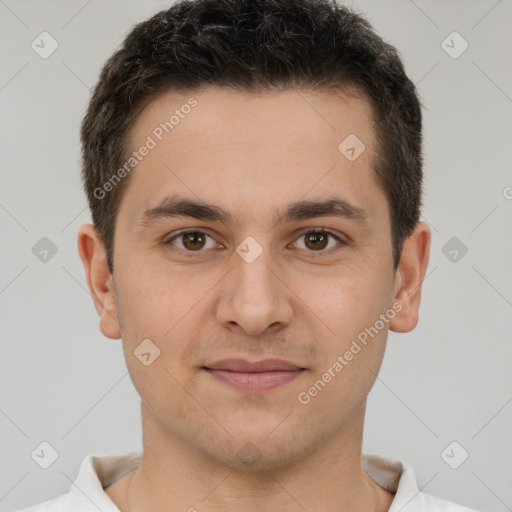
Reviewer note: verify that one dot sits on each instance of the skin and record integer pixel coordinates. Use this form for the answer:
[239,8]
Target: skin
[252,155]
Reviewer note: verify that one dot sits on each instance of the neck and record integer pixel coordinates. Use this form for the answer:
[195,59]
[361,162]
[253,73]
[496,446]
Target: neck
[331,477]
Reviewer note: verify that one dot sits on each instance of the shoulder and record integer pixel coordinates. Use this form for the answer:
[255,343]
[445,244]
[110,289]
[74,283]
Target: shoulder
[87,494]
[398,477]
[57,504]
[423,502]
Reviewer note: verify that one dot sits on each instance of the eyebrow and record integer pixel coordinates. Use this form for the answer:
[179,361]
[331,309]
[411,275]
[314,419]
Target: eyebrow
[175,206]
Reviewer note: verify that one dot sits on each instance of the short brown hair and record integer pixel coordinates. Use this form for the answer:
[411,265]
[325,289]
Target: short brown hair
[254,45]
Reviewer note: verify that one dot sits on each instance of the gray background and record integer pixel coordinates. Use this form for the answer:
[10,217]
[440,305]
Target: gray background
[449,380]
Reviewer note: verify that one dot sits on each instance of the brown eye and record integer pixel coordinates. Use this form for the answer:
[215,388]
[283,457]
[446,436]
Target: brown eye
[318,241]
[191,241]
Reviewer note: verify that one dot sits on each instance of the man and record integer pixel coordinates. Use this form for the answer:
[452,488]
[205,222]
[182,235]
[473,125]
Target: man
[254,173]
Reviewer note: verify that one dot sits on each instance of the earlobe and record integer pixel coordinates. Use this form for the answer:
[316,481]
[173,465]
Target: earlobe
[99,280]
[409,278]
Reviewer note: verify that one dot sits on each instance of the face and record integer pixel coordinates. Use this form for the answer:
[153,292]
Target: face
[288,257]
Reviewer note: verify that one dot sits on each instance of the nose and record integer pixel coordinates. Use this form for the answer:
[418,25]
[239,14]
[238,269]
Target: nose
[254,297]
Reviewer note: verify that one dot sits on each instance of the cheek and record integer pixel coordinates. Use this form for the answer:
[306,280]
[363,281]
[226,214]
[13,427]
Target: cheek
[345,299]
[353,361]
[346,306]
[165,306]
[158,299]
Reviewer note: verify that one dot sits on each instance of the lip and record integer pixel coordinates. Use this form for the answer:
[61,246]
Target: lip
[242,365]
[254,377]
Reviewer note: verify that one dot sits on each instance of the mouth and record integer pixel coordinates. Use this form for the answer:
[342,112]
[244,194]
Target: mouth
[254,377]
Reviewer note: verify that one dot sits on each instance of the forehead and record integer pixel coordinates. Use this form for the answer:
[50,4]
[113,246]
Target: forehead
[228,116]
[250,151]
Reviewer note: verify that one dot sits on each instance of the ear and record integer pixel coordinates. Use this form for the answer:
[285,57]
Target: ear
[409,278]
[100,281]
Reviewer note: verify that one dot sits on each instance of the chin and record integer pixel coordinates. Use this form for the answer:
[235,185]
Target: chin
[257,453]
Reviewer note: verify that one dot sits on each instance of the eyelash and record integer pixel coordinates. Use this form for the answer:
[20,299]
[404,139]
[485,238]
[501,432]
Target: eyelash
[319,253]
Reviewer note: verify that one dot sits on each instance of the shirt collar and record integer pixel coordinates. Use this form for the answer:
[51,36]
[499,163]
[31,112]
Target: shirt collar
[97,472]
[396,476]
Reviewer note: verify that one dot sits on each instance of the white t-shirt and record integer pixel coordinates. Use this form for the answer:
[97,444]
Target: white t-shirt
[97,472]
